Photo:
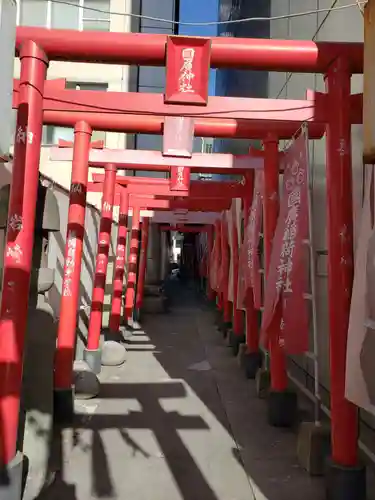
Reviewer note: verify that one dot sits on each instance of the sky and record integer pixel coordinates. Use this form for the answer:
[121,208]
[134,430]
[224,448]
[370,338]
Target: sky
[198,11]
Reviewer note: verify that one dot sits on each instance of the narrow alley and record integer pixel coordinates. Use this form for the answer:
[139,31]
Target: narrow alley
[177,421]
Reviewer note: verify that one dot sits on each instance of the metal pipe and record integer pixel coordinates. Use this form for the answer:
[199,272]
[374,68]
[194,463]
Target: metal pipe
[298,56]
[20,242]
[97,301]
[66,335]
[118,280]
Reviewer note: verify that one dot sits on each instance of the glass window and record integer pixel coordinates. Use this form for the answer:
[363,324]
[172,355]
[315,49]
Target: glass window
[161,10]
[52,134]
[65,16]
[83,15]
[96,15]
[33,13]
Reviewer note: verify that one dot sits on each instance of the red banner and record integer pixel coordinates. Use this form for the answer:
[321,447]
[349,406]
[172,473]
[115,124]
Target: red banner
[187,68]
[215,258]
[287,278]
[224,263]
[249,255]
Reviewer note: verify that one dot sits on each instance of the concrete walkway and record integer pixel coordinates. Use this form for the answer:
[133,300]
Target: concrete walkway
[177,422]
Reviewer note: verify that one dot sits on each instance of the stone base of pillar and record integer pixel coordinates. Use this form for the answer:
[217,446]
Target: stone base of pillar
[314,446]
[262,383]
[14,472]
[234,341]
[113,353]
[250,362]
[345,483]
[93,358]
[282,408]
[86,383]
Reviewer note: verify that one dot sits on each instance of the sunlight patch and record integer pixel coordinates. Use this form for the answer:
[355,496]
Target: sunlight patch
[202,366]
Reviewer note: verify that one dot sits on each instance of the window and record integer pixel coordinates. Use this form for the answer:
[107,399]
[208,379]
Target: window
[81,15]
[51,134]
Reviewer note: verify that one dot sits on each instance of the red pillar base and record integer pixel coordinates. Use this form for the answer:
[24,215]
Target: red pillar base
[282,408]
[250,363]
[234,341]
[345,483]
[63,406]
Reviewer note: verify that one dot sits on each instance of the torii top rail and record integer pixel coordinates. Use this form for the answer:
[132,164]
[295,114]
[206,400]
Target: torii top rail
[297,56]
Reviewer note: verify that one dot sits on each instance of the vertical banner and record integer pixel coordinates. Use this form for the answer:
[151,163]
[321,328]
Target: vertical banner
[360,380]
[287,278]
[225,258]
[249,276]
[230,215]
[215,258]
[187,70]
[255,227]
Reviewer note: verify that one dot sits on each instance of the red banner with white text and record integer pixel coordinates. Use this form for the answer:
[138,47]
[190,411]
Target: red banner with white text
[224,264]
[287,278]
[250,276]
[215,258]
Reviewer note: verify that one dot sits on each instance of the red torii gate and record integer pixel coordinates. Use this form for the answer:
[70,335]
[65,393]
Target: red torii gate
[336,60]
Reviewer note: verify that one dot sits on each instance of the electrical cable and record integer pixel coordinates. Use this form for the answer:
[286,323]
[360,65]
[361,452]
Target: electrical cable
[328,12]
[356,4]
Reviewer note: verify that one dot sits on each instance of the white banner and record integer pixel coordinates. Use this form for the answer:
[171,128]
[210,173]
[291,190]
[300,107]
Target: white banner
[360,373]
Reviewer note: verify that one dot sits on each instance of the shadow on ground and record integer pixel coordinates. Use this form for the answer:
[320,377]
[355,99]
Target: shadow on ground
[178,421]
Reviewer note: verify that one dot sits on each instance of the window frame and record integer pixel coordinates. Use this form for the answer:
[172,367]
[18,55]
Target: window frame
[49,129]
[81,17]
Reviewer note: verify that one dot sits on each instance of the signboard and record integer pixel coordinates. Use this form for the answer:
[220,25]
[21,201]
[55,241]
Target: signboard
[180,178]
[178,136]
[187,70]
[287,279]
[360,381]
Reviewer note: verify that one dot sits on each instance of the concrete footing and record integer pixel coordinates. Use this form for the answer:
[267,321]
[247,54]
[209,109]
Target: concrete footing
[93,358]
[225,328]
[86,383]
[262,383]
[12,478]
[345,483]
[282,408]
[314,446]
[113,353]
[250,362]
[234,341]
